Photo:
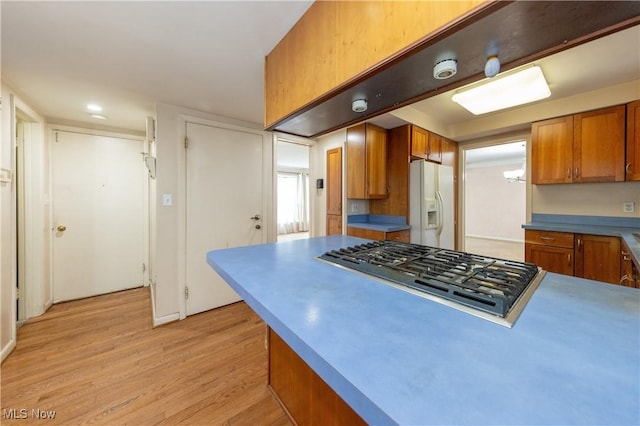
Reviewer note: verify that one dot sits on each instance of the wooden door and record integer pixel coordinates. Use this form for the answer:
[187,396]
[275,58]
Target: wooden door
[98,215]
[552,151]
[599,144]
[224,206]
[419,142]
[434,150]
[553,259]
[334,191]
[633,141]
[598,258]
[376,162]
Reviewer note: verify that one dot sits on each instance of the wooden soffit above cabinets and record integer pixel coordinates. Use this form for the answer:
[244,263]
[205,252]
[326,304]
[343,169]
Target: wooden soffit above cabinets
[522,31]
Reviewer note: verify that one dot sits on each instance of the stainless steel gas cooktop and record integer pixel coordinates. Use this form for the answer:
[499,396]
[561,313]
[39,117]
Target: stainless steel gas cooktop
[489,288]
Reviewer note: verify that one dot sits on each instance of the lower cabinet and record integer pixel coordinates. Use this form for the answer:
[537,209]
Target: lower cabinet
[552,251]
[371,234]
[598,258]
[594,257]
[305,397]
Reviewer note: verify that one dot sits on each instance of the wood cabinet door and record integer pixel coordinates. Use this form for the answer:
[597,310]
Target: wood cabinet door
[553,259]
[599,145]
[356,162]
[633,141]
[376,161]
[434,149]
[370,234]
[334,181]
[334,191]
[419,142]
[552,151]
[334,224]
[598,258]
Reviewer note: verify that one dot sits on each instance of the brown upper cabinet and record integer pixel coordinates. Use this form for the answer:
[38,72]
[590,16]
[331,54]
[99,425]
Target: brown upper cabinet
[633,141]
[366,162]
[426,145]
[585,147]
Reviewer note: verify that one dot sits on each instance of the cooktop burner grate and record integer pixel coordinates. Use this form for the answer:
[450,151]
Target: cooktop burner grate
[489,285]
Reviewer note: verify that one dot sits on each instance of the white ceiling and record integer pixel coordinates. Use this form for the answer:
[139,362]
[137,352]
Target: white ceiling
[127,56]
[208,56]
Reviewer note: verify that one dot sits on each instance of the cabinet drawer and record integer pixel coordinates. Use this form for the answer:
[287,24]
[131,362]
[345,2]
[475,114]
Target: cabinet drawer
[402,236]
[549,238]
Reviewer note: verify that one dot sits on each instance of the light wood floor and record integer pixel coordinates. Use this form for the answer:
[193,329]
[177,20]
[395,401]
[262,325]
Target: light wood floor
[98,360]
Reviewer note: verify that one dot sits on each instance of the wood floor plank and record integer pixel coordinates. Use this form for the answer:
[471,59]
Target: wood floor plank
[98,360]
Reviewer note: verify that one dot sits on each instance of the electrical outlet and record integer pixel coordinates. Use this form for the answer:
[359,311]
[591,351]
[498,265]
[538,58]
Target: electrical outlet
[355,207]
[628,207]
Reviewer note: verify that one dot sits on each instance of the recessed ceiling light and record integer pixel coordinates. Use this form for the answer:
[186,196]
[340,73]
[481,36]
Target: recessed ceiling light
[98,116]
[94,107]
[527,85]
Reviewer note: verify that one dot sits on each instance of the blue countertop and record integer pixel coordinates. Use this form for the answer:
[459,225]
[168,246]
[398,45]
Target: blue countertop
[572,357]
[378,222]
[622,227]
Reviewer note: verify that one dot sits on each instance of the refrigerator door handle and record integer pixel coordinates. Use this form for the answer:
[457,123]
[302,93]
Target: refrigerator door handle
[440,207]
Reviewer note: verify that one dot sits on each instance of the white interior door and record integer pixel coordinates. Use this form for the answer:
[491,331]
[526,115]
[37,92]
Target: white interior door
[224,199]
[98,215]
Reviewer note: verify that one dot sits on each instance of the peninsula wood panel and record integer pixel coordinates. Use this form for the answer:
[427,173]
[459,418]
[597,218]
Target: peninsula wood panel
[334,42]
[303,394]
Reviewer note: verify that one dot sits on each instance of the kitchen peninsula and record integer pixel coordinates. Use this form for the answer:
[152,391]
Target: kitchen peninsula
[573,356]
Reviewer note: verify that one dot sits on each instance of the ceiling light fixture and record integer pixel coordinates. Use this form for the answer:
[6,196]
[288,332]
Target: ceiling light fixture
[445,69]
[359,105]
[98,116]
[527,85]
[492,67]
[94,107]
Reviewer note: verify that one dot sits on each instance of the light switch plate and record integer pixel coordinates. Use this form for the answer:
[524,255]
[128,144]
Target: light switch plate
[628,206]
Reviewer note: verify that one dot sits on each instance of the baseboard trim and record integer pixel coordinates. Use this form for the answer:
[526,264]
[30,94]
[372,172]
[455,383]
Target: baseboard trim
[8,348]
[485,237]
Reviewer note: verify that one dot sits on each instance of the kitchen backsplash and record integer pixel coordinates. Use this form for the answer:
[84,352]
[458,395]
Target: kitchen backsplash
[591,199]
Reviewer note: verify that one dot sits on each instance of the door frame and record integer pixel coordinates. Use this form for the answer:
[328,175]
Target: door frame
[181,196]
[297,140]
[499,139]
[51,131]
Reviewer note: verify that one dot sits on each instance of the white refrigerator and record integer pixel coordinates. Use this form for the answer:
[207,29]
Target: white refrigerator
[431,204]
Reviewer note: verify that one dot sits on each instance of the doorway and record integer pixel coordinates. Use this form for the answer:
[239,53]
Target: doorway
[99,205]
[495,200]
[292,189]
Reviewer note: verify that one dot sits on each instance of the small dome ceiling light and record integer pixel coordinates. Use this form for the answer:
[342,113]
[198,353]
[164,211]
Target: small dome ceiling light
[94,107]
[359,105]
[445,69]
[492,67]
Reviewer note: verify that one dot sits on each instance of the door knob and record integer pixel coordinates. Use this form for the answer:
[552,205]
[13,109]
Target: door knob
[61,228]
[255,217]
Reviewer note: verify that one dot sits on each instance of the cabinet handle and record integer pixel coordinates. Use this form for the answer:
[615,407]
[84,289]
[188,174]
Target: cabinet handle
[542,237]
[577,172]
[579,243]
[569,173]
[626,256]
[628,168]
[568,259]
[625,278]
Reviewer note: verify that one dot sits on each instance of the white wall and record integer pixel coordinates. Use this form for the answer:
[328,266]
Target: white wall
[318,167]
[494,208]
[7,226]
[168,223]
